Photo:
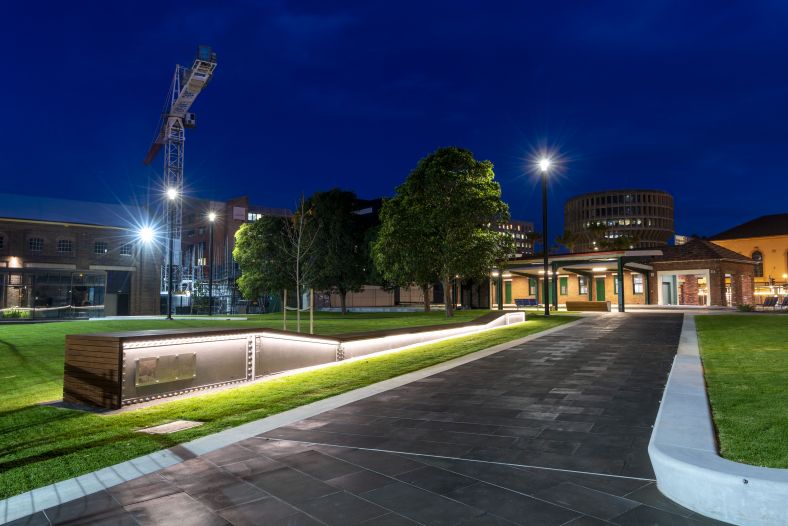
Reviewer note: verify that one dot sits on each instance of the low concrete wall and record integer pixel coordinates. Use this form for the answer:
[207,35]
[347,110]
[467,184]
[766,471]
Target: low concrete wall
[683,451]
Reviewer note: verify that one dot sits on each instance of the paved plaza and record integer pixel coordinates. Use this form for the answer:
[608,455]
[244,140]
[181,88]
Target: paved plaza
[553,431]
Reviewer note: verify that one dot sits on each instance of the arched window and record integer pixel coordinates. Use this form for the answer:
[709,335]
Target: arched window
[758,258]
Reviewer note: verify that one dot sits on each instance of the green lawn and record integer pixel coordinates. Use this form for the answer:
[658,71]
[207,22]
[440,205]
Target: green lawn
[31,356]
[745,358]
[40,445]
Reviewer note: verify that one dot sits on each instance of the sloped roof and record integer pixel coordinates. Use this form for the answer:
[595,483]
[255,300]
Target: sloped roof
[699,249]
[764,226]
[34,208]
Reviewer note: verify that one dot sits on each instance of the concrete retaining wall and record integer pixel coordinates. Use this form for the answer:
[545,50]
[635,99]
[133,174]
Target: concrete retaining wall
[683,451]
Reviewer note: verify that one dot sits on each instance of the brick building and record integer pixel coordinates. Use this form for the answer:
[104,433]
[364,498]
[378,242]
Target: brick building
[195,245]
[62,258]
[765,241]
[698,273]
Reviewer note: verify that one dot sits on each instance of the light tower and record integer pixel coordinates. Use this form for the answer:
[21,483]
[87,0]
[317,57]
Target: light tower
[187,83]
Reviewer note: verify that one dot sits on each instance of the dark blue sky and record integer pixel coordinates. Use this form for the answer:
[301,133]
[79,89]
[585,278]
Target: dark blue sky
[683,96]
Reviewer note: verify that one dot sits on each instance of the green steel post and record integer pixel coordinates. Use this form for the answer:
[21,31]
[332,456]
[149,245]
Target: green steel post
[620,285]
[499,293]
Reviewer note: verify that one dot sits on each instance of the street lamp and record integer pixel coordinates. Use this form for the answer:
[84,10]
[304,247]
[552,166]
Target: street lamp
[172,195]
[544,167]
[146,234]
[212,220]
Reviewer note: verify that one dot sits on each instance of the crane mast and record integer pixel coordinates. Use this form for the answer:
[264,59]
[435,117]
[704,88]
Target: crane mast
[187,83]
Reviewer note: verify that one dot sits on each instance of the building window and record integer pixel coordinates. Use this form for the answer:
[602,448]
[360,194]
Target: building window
[563,286]
[582,285]
[637,283]
[35,244]
[100,247]
[758,258]
[531,286]
[65,246]
[615,283]
[2,242]
[125,250]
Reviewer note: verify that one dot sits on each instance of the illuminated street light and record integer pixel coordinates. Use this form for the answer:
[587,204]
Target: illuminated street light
[212,219]
[172,193]
[146,234]
[544,167]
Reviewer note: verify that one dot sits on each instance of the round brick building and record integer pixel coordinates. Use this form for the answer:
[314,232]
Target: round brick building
[618,219]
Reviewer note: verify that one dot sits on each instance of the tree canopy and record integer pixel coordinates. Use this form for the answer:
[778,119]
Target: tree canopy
[339,245]
[439,225]
[261,255]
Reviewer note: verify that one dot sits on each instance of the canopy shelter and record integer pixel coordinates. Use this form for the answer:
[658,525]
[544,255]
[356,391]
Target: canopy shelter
[589,265]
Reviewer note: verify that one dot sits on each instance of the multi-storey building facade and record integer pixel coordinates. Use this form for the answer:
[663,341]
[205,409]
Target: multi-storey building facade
[619,219]
[61,258]
[521,233]
[196,239]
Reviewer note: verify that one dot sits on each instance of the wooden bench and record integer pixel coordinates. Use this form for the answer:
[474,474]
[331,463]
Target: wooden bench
[596,306]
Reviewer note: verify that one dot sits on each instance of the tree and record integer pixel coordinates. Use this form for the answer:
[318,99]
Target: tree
[276,254]
[398,257]
[261,255]
[569,240]
[339,249]
[439,225]
[300,234]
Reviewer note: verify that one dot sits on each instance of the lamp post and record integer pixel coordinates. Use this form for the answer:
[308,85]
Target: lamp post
[212,220]
[172,195]
[145,234]
[544,167]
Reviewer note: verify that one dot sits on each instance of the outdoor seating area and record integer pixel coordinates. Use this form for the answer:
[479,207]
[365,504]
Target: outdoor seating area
[774,303]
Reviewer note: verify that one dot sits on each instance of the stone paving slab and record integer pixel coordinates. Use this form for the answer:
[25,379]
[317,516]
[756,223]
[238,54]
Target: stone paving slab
[550,432]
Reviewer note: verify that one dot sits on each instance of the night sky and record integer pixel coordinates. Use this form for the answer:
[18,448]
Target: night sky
[686,97]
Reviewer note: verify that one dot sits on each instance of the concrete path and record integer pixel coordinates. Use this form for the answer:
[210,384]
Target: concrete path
[553,431]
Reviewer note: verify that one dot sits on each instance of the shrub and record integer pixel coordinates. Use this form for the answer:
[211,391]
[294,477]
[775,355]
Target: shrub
[746,308]
[16,313]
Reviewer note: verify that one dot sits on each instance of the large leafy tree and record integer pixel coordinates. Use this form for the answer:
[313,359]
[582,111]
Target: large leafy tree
[438,226]
[339,246]
[260,252]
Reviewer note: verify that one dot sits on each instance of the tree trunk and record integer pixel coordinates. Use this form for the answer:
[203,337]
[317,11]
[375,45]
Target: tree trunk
[447,299]
[298,307]
[342,301]
[425,290]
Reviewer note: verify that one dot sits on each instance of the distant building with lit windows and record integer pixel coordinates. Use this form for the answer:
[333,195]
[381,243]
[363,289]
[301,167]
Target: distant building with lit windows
[615,218]
[73,259]
[521,233]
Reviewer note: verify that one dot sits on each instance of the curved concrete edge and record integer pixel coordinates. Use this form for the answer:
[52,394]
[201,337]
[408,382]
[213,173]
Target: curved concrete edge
[39,499]
[683,452]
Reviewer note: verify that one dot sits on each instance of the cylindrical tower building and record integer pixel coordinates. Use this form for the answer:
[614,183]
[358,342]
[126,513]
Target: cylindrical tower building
[618,219]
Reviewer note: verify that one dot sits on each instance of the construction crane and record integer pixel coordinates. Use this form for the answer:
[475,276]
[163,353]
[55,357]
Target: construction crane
[187,83]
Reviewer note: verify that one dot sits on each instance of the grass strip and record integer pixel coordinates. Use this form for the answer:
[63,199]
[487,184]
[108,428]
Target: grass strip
[745,359]
[41,445]
[31,356]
